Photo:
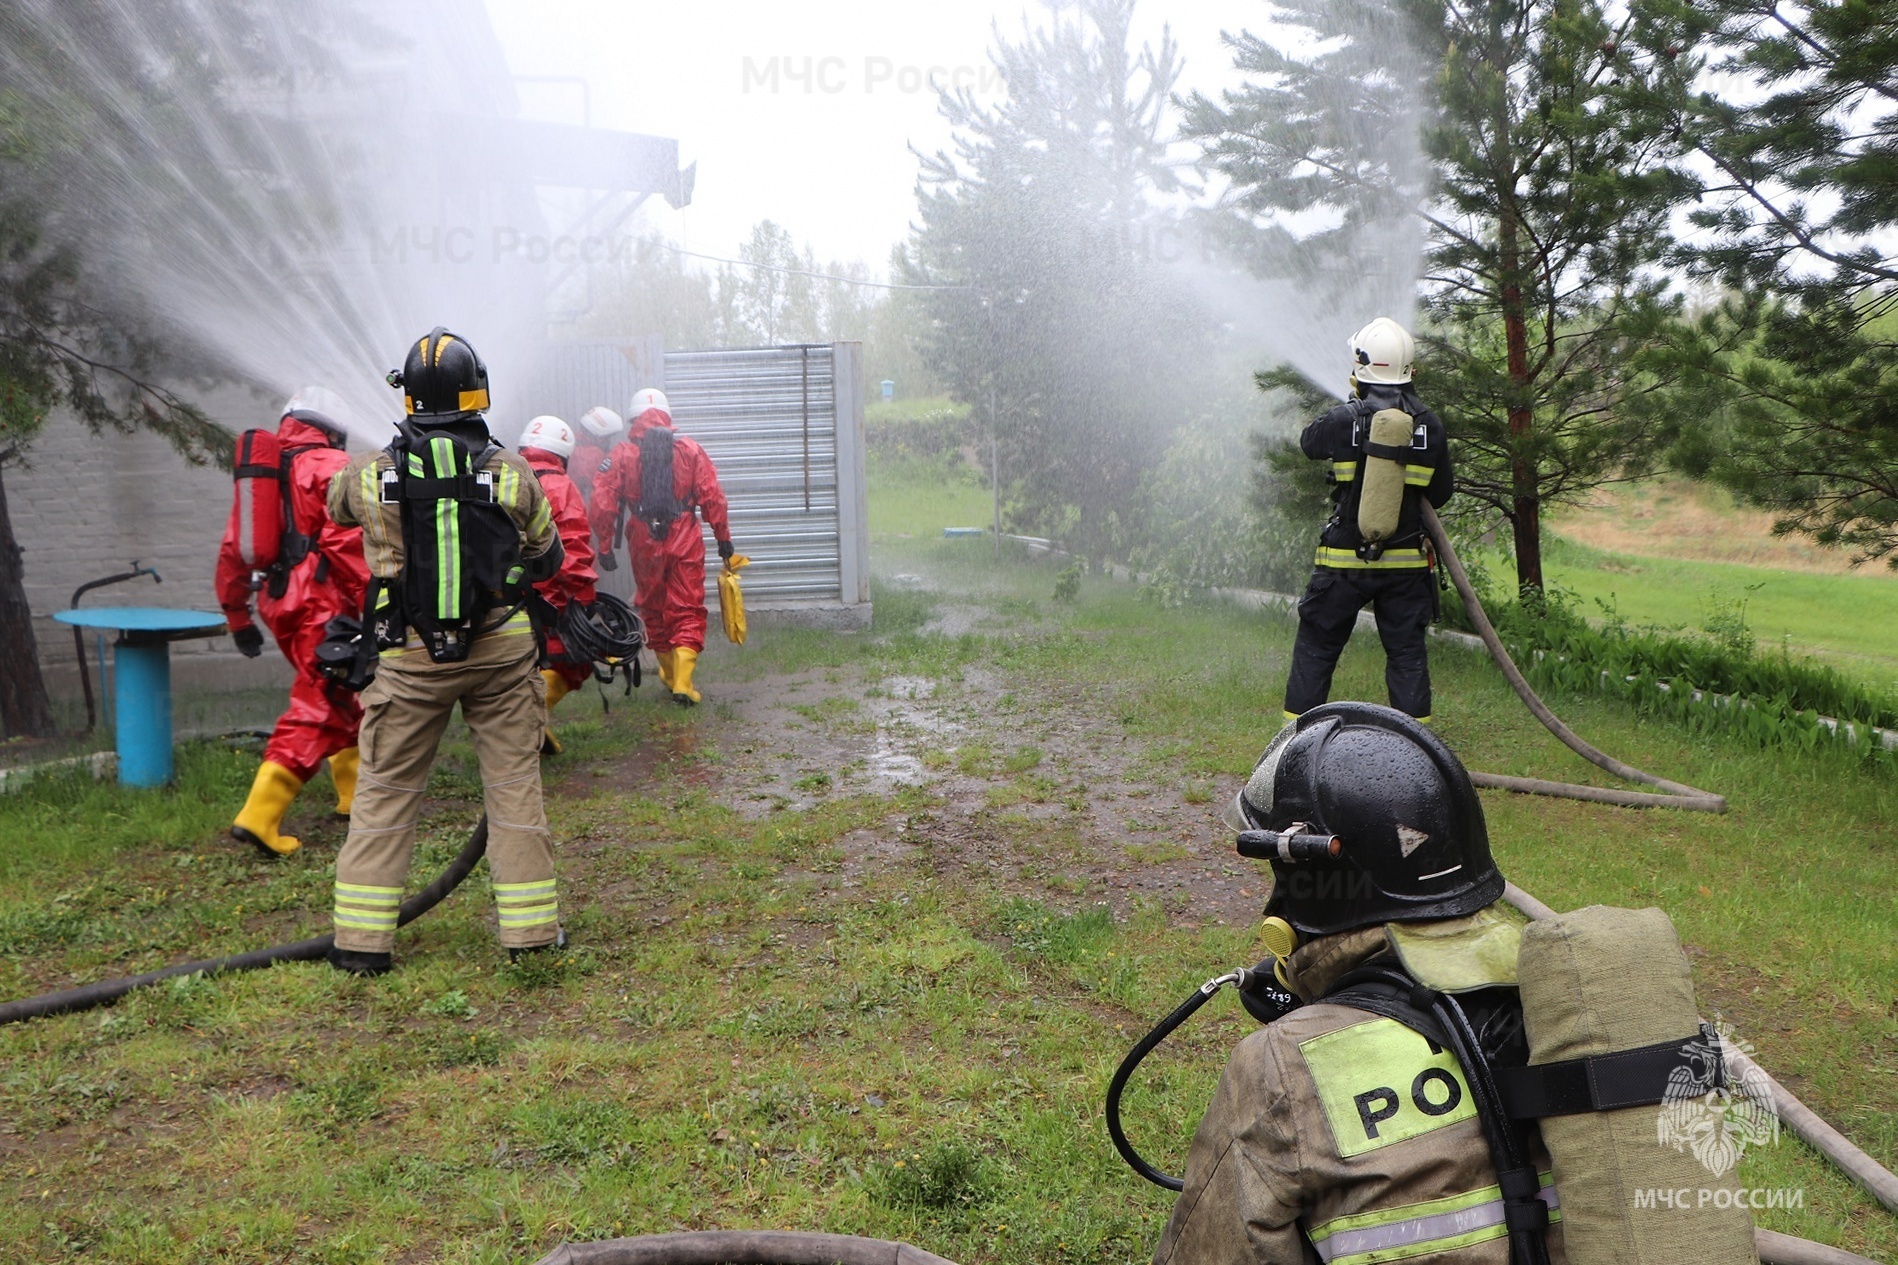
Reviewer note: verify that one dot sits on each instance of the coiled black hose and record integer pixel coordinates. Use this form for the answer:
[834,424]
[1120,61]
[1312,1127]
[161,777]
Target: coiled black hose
[106,992]
[608,634]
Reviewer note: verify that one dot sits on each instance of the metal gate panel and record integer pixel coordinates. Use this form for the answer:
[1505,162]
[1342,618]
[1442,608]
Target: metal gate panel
[767,417]
[783,425]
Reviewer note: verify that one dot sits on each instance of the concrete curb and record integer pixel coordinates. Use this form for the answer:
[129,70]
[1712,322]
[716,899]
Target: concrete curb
[101,764]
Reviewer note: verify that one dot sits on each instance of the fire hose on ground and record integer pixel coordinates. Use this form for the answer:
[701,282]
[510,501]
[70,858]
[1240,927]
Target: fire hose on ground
[103,993]
[1674,794]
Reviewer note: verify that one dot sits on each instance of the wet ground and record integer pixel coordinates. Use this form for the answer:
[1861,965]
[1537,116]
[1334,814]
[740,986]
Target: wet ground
[1029,789]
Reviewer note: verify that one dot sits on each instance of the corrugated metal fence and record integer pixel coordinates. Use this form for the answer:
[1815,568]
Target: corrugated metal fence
[784,426]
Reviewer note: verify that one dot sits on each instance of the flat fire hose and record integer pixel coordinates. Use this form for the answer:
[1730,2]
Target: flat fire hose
[87,996]
[744,1247]
[1674,794]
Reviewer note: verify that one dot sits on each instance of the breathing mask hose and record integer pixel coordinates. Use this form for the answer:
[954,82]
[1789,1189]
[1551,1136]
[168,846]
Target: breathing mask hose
[105,992]
[1242,979]
[1678,795]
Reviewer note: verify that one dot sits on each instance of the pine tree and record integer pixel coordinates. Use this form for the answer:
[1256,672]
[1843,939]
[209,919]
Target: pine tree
[1548,174]
[1062,327]
[1799,369]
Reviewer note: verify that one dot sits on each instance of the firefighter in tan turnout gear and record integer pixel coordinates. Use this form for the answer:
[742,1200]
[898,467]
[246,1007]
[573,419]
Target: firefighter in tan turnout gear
[1338,1126]
[1444,1081]
[455,531]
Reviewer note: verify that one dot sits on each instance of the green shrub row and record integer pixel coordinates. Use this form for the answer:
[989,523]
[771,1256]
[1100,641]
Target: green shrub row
[1769,699]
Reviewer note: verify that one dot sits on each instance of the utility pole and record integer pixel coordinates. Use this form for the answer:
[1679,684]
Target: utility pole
[995,426]
[995,468]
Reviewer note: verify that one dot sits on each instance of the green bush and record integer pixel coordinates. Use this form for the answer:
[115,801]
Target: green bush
[937,436]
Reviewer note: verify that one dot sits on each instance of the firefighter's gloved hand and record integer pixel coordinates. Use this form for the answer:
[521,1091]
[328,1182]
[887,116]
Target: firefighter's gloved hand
[249,640]
[608,560]
[725,550]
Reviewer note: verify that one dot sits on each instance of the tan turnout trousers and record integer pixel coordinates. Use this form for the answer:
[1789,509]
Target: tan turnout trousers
[405,710]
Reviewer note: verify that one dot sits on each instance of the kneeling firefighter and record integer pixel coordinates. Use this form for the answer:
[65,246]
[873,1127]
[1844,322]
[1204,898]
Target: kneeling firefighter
[669,482]
[1437,1080]
[547,444]
[455,530]
[1386,453]
[306,571]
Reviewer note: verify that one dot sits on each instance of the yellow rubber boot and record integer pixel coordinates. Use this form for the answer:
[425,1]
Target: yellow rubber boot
[270,798]
[684,660]
[557,689]
[665,658]
[344,766]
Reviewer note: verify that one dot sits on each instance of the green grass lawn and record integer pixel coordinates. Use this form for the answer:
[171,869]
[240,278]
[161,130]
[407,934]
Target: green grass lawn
[915,501]
[1847,621]
[767,1021]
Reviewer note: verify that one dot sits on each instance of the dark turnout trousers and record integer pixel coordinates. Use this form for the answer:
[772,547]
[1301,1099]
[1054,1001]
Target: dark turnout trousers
[1403,599]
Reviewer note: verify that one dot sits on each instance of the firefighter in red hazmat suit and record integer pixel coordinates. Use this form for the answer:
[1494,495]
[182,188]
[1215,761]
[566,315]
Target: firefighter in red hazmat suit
[317,575]
[662,533]
[600,431]
[548,446]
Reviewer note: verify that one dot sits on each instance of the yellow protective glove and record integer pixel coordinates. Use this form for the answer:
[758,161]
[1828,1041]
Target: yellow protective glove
[731,599]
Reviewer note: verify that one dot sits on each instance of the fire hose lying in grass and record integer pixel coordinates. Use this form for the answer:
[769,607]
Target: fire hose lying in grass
[742,1247]
[87,996]
[1674,794]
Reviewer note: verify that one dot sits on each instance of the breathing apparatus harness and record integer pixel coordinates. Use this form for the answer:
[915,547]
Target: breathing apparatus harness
[658,507]
[1385,441]
[461,559]
[1483,1030]
[268,539]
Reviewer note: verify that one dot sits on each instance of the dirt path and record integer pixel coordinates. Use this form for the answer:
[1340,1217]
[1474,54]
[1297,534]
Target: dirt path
[1031,789]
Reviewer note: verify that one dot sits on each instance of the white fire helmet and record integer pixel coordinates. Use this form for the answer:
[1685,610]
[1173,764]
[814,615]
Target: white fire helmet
[315,403]
[647,400]
[549,434]
[602,422]
[1383,351]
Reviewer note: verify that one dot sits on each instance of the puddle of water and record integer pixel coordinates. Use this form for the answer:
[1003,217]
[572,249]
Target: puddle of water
[891,767]
[910,687]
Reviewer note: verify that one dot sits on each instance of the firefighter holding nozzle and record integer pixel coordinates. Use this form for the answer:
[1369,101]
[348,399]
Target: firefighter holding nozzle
[1387,452]
[456,530]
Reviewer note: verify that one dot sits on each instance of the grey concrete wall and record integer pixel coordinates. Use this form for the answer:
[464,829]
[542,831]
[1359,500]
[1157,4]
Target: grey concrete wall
[87,505]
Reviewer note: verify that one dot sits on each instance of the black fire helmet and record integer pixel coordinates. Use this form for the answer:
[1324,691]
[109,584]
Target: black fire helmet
[444,379]
[1415,846]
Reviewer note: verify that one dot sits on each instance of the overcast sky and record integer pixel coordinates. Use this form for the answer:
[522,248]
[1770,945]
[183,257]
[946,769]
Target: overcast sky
[826,153]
